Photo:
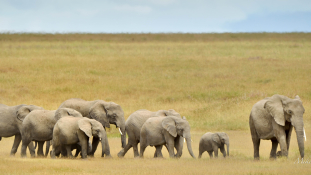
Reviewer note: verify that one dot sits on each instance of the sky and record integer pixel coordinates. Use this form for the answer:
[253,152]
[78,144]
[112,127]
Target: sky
[155,16]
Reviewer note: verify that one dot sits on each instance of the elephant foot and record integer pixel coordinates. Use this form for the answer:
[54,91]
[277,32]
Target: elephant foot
[121,154]
[107,156]
[279,154]
[12,154]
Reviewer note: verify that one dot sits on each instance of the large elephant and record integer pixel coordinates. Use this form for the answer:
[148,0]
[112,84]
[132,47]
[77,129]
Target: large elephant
[159,131]
[210,142]
[11,123]
[38,126]
[105,112]
[133,126]
[273,118]
[73,130]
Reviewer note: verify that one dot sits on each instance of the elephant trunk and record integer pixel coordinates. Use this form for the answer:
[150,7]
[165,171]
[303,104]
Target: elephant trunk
[227,149]
[188,140]
[300,137]
[123,135]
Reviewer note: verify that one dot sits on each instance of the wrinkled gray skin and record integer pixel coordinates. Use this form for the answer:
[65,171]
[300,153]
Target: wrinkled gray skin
[38,126]
[134,123]
[211,142]
[73,130]
[104,112]
[273,118]
[159,131]
[11,123]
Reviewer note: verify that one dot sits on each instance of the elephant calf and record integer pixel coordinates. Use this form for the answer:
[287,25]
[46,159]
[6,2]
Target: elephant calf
[210,142]
[72,130]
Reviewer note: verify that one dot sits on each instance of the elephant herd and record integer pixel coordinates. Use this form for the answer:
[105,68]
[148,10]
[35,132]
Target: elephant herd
[76,121]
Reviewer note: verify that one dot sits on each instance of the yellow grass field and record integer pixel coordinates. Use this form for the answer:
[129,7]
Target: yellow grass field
[212,79]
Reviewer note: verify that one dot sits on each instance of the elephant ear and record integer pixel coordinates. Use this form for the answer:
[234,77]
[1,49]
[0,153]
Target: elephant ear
[22,112]
[98,112]
[169,124]
[85,126]
[274,107]
[216,138]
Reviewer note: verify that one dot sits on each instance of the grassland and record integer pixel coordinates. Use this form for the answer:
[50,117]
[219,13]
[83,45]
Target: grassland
[212,79]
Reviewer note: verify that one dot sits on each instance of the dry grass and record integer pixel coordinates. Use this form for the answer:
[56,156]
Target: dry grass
[239,162]
[212,79]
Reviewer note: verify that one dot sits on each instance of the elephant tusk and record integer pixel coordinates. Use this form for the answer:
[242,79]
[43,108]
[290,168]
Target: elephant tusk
[184,140]
[100,139]
[191,140]
[120,131]
[304,134]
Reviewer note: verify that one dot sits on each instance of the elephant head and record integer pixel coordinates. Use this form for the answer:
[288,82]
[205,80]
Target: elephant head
[178,126]
[109,113]
[220,139]
[91,128]
[24,110]
[62,112]
[284,109]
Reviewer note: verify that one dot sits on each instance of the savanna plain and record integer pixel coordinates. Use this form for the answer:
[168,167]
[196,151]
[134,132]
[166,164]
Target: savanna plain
[211,79]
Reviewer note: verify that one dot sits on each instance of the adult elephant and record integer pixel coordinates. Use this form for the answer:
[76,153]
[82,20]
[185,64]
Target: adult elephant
[38,126]
[133,126]
[273,118]
[159,131]
[11,123]
[104,112]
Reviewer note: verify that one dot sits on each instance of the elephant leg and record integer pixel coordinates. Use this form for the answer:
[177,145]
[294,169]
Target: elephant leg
[135,148]
[17,141]
[215,150]
[273,149]
[279,132]
[40,149]
[25,143]
[47,148]
[170,145]
[210,154]
[125,149]
[94,145]
[143,146]
[68,149]
[77,152]
[179,143]
[158,152]
[223,151]
[31,148]
[201,150]
[255,138]
[288,136]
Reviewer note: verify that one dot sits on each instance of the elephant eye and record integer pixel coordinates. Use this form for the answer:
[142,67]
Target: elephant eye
[290,112]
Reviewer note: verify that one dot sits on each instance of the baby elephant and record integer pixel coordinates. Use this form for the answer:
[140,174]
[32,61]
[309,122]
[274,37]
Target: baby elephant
[210,142]
[72,130]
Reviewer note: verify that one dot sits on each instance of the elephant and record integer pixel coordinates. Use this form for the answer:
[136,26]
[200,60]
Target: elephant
[38,126]
[273,118]
[104,112]
[72,130]
[210,142]
[133,126]
[159,131]
[11,123]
